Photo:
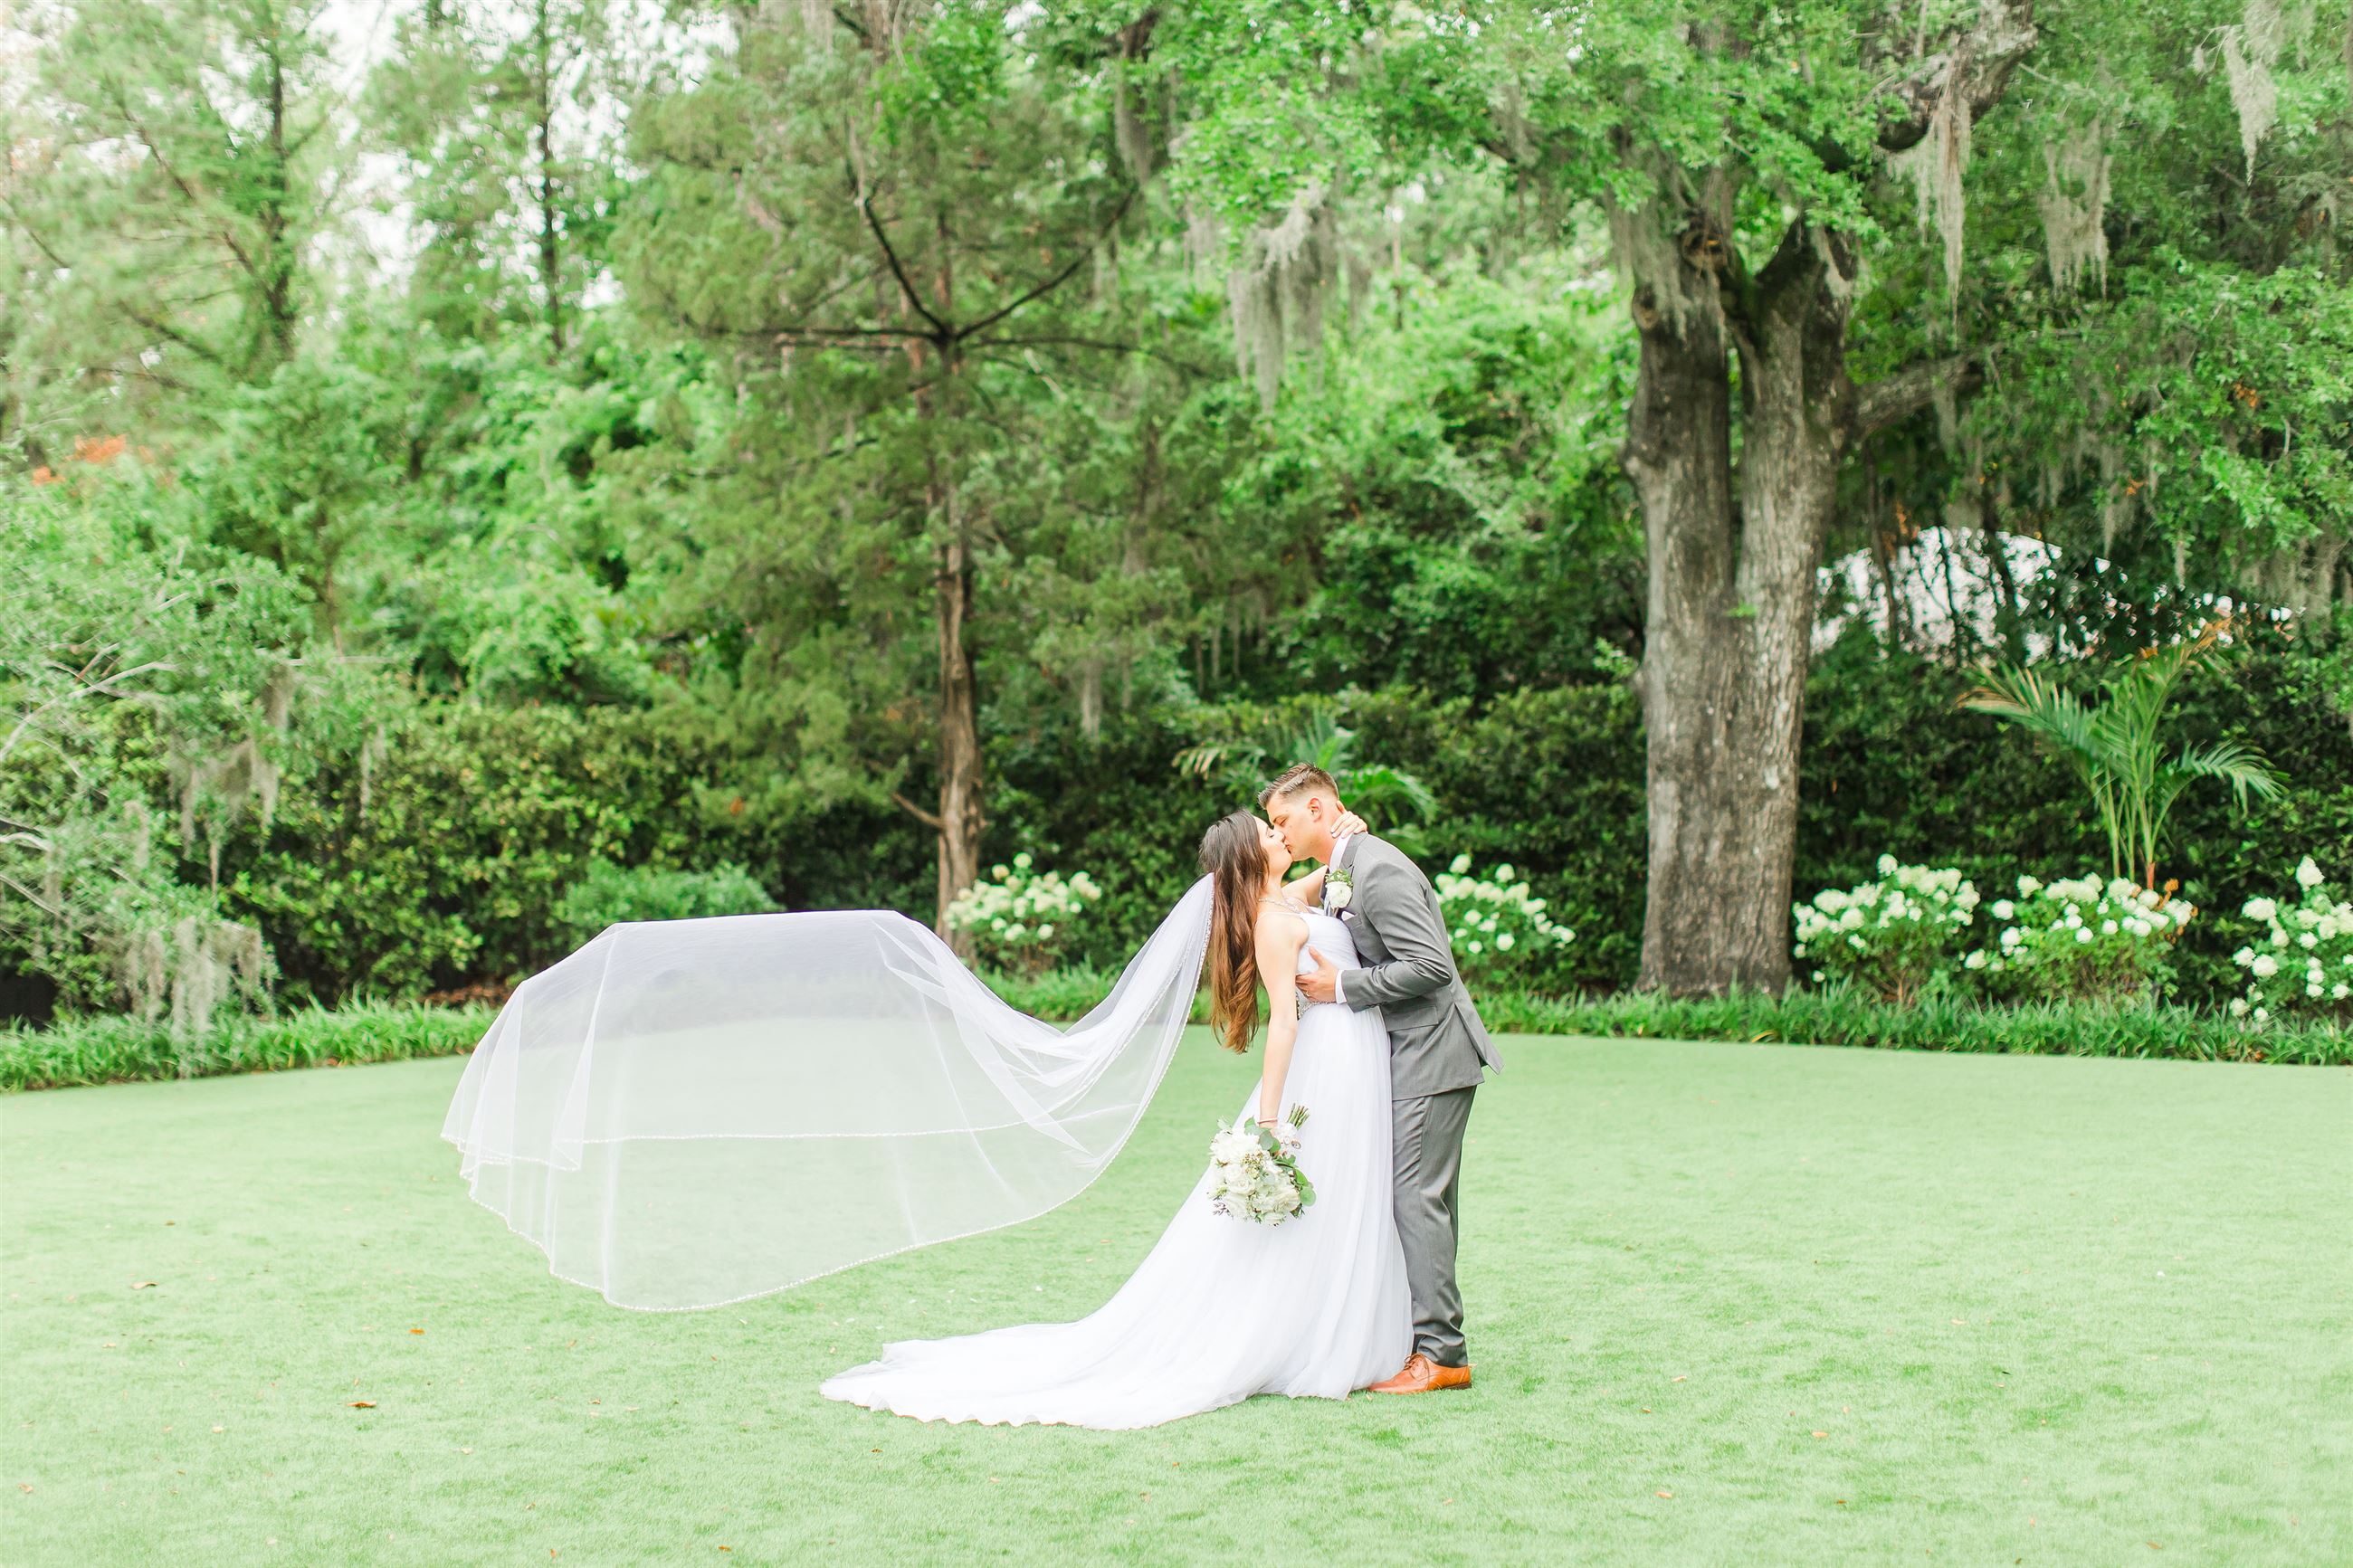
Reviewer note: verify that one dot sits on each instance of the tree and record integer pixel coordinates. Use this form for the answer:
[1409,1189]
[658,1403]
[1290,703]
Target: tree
[1753,162]
[902,224]
[176,166]
[508,123]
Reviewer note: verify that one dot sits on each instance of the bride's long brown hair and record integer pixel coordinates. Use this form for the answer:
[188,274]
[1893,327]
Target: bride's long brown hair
[1235,863]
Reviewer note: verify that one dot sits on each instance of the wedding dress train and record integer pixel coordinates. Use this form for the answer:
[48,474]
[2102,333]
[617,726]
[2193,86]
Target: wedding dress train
[1222,1309]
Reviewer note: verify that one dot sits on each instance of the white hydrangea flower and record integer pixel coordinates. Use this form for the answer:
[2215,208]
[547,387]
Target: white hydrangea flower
[2308,874]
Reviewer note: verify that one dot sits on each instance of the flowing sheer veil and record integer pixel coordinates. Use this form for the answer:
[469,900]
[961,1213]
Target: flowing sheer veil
[685,1113]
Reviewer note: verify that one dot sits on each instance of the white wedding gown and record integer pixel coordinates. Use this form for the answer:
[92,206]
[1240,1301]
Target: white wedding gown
[1222,1309]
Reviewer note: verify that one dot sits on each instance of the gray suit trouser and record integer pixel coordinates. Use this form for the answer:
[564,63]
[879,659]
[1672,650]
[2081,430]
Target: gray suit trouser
[1427,1140]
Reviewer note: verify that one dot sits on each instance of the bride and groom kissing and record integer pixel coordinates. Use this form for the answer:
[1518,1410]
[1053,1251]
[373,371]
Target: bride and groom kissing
[1370,1028]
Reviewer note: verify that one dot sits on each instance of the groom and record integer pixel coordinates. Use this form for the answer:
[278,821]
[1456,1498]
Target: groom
[1438,1048]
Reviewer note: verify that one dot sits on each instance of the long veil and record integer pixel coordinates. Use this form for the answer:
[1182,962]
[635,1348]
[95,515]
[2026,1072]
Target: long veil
[686,1113]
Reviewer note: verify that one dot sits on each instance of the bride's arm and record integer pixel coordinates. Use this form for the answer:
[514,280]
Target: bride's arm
[1278,938]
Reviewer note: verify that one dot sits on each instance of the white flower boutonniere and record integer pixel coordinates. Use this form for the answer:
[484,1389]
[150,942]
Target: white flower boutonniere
[1339,888]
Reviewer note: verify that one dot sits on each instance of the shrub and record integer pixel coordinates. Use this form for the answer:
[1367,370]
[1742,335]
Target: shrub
[1891,938]
[1500,929]
[1021,918]
[2080,940]
[110,1048]
[608,894]
[2304,963]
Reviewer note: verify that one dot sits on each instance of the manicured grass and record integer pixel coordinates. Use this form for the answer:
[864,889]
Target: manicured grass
[1843,1306]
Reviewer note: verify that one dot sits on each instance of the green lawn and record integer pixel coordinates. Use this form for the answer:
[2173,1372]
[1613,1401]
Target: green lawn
[1841,1305]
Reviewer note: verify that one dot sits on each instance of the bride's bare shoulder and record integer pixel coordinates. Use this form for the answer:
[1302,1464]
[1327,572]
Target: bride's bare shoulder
[1282,924]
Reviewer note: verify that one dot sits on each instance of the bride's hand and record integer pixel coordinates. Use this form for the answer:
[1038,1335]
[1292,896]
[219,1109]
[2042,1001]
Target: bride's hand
[1349,822]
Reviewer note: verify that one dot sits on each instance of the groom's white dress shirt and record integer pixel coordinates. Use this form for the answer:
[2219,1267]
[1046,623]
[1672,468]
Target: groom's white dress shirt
[1339,849]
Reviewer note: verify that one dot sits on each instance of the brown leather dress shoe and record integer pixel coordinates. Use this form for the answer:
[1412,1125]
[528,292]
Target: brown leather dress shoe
[1423,1376]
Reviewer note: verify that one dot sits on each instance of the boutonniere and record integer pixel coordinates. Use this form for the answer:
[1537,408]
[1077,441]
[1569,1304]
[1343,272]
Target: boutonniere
[1338,889]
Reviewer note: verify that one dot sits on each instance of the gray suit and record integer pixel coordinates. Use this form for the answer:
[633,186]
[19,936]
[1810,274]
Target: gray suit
[1438,1050]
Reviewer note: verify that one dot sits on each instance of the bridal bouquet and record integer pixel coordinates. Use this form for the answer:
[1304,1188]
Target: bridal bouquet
[1256,1176]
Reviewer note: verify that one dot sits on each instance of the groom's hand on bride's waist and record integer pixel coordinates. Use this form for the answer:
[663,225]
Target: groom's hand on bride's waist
[1321,983]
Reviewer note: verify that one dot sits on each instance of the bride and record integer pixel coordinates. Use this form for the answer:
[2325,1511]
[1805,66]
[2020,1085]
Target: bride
[1222,1309]
[689,1113]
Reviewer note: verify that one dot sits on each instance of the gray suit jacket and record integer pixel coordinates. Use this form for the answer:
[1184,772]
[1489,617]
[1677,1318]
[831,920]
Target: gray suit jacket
[1437,1041]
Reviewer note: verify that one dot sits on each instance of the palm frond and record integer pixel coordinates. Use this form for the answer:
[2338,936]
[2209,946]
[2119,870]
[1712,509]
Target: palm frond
[2241,766]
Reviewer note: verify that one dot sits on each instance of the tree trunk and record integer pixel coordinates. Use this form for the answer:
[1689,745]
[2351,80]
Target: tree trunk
[551,269]
[1732,595]
[960,815]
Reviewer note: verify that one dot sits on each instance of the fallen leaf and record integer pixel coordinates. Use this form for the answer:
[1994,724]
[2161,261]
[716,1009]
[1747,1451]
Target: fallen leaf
[24,1486]
[1821,1433]
[417,1331]
[220,1428]
[1841,1501]
[144,1285]
[1682,1379]
[363,1405]
[1666,1494]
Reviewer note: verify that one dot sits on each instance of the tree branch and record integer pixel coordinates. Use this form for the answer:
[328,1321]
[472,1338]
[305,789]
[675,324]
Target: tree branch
[1979,62]
[882,239]
[1057,280]
[929,819]
[1908,391]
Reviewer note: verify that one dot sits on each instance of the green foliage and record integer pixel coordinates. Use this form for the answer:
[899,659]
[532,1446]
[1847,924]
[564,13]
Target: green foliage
[1021,918]
[1498,928]
[1935,1022]
[122,1050]
[2078,940]
[1889,939]
[607,894]
[1271,741]
[2118,749]
[2301,967]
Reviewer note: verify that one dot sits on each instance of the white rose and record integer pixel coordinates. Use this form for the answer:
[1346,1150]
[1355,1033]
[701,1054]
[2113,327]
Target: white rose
[2082,933]
[2307,875]
[1338,895]
[1504,943]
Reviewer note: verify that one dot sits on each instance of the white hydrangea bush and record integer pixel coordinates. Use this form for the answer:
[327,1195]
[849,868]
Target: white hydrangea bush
[1500,928]
[2080,939]
[1890,937]
[1022,919]
[2303,964]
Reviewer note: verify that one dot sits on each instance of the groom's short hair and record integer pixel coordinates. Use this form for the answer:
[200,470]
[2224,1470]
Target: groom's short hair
[1297,779]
